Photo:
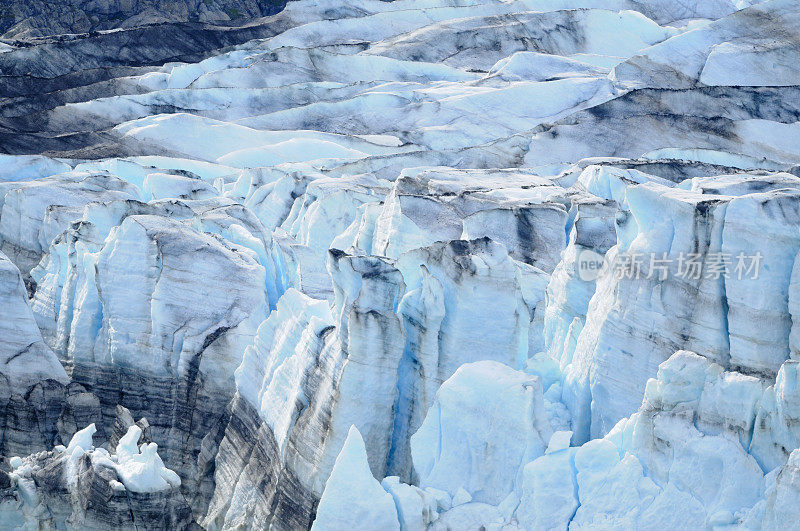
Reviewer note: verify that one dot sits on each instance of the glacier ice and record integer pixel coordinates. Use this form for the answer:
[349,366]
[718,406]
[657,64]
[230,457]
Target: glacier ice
[335,262]
[637,475]
[27,360]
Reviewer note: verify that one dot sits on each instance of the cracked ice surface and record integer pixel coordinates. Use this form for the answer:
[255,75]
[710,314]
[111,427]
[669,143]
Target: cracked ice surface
[336,268]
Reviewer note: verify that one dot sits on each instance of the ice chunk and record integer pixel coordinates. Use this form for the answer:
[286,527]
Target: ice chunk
[416,508]
[558,441]
[82,440]
[353,498]
[141,469]
[549,491]
[486,423]
[461,497]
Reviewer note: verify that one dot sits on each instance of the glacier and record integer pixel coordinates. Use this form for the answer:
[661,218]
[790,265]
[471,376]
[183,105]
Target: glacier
[417,265]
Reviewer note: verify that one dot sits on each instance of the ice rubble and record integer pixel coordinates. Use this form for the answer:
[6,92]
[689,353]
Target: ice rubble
[52,488]
[686,446]
[338,271]
[139,467]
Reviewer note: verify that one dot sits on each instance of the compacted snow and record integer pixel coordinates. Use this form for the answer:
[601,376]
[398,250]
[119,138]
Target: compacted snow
[416,265]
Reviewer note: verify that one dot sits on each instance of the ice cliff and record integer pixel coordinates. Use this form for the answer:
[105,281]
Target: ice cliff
[416,265]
